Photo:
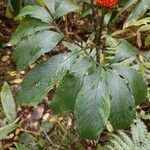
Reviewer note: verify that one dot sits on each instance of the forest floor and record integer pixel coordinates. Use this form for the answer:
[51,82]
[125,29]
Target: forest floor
[62,132]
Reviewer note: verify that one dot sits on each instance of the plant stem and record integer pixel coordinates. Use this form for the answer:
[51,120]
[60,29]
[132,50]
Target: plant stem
[95,31]
[101,29]
[94,17]
[99,49]
[98,28]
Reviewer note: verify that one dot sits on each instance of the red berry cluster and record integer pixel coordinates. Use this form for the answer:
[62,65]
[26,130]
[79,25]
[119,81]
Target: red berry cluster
[107,3]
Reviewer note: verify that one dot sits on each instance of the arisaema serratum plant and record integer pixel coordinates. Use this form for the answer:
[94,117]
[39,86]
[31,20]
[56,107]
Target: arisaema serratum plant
[94,88]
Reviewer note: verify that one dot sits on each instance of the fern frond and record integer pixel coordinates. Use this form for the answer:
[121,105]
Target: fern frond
[121,142]
[126,139]
[140,139]
[108,147]
[116,144]
[139,131]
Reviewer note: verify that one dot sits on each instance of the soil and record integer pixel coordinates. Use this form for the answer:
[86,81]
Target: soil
[7,26]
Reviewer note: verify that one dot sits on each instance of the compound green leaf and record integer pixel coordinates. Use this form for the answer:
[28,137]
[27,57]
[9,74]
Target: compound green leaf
[84,61]
[36,12]
[42,78]
[28,50]
[65,7]
[122,101]
[124,51]
[28,27]
[65,96]
[136,84]
[59,8]
[51,5]
[8,103]
[4,131]
[81,66]
[92,106]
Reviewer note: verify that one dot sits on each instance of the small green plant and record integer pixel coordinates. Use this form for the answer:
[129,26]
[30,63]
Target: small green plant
[9,109]
[140,139]
[14,6]
[44,138]
[92,87]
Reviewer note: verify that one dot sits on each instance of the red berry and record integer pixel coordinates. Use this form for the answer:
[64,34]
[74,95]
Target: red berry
[107,3]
